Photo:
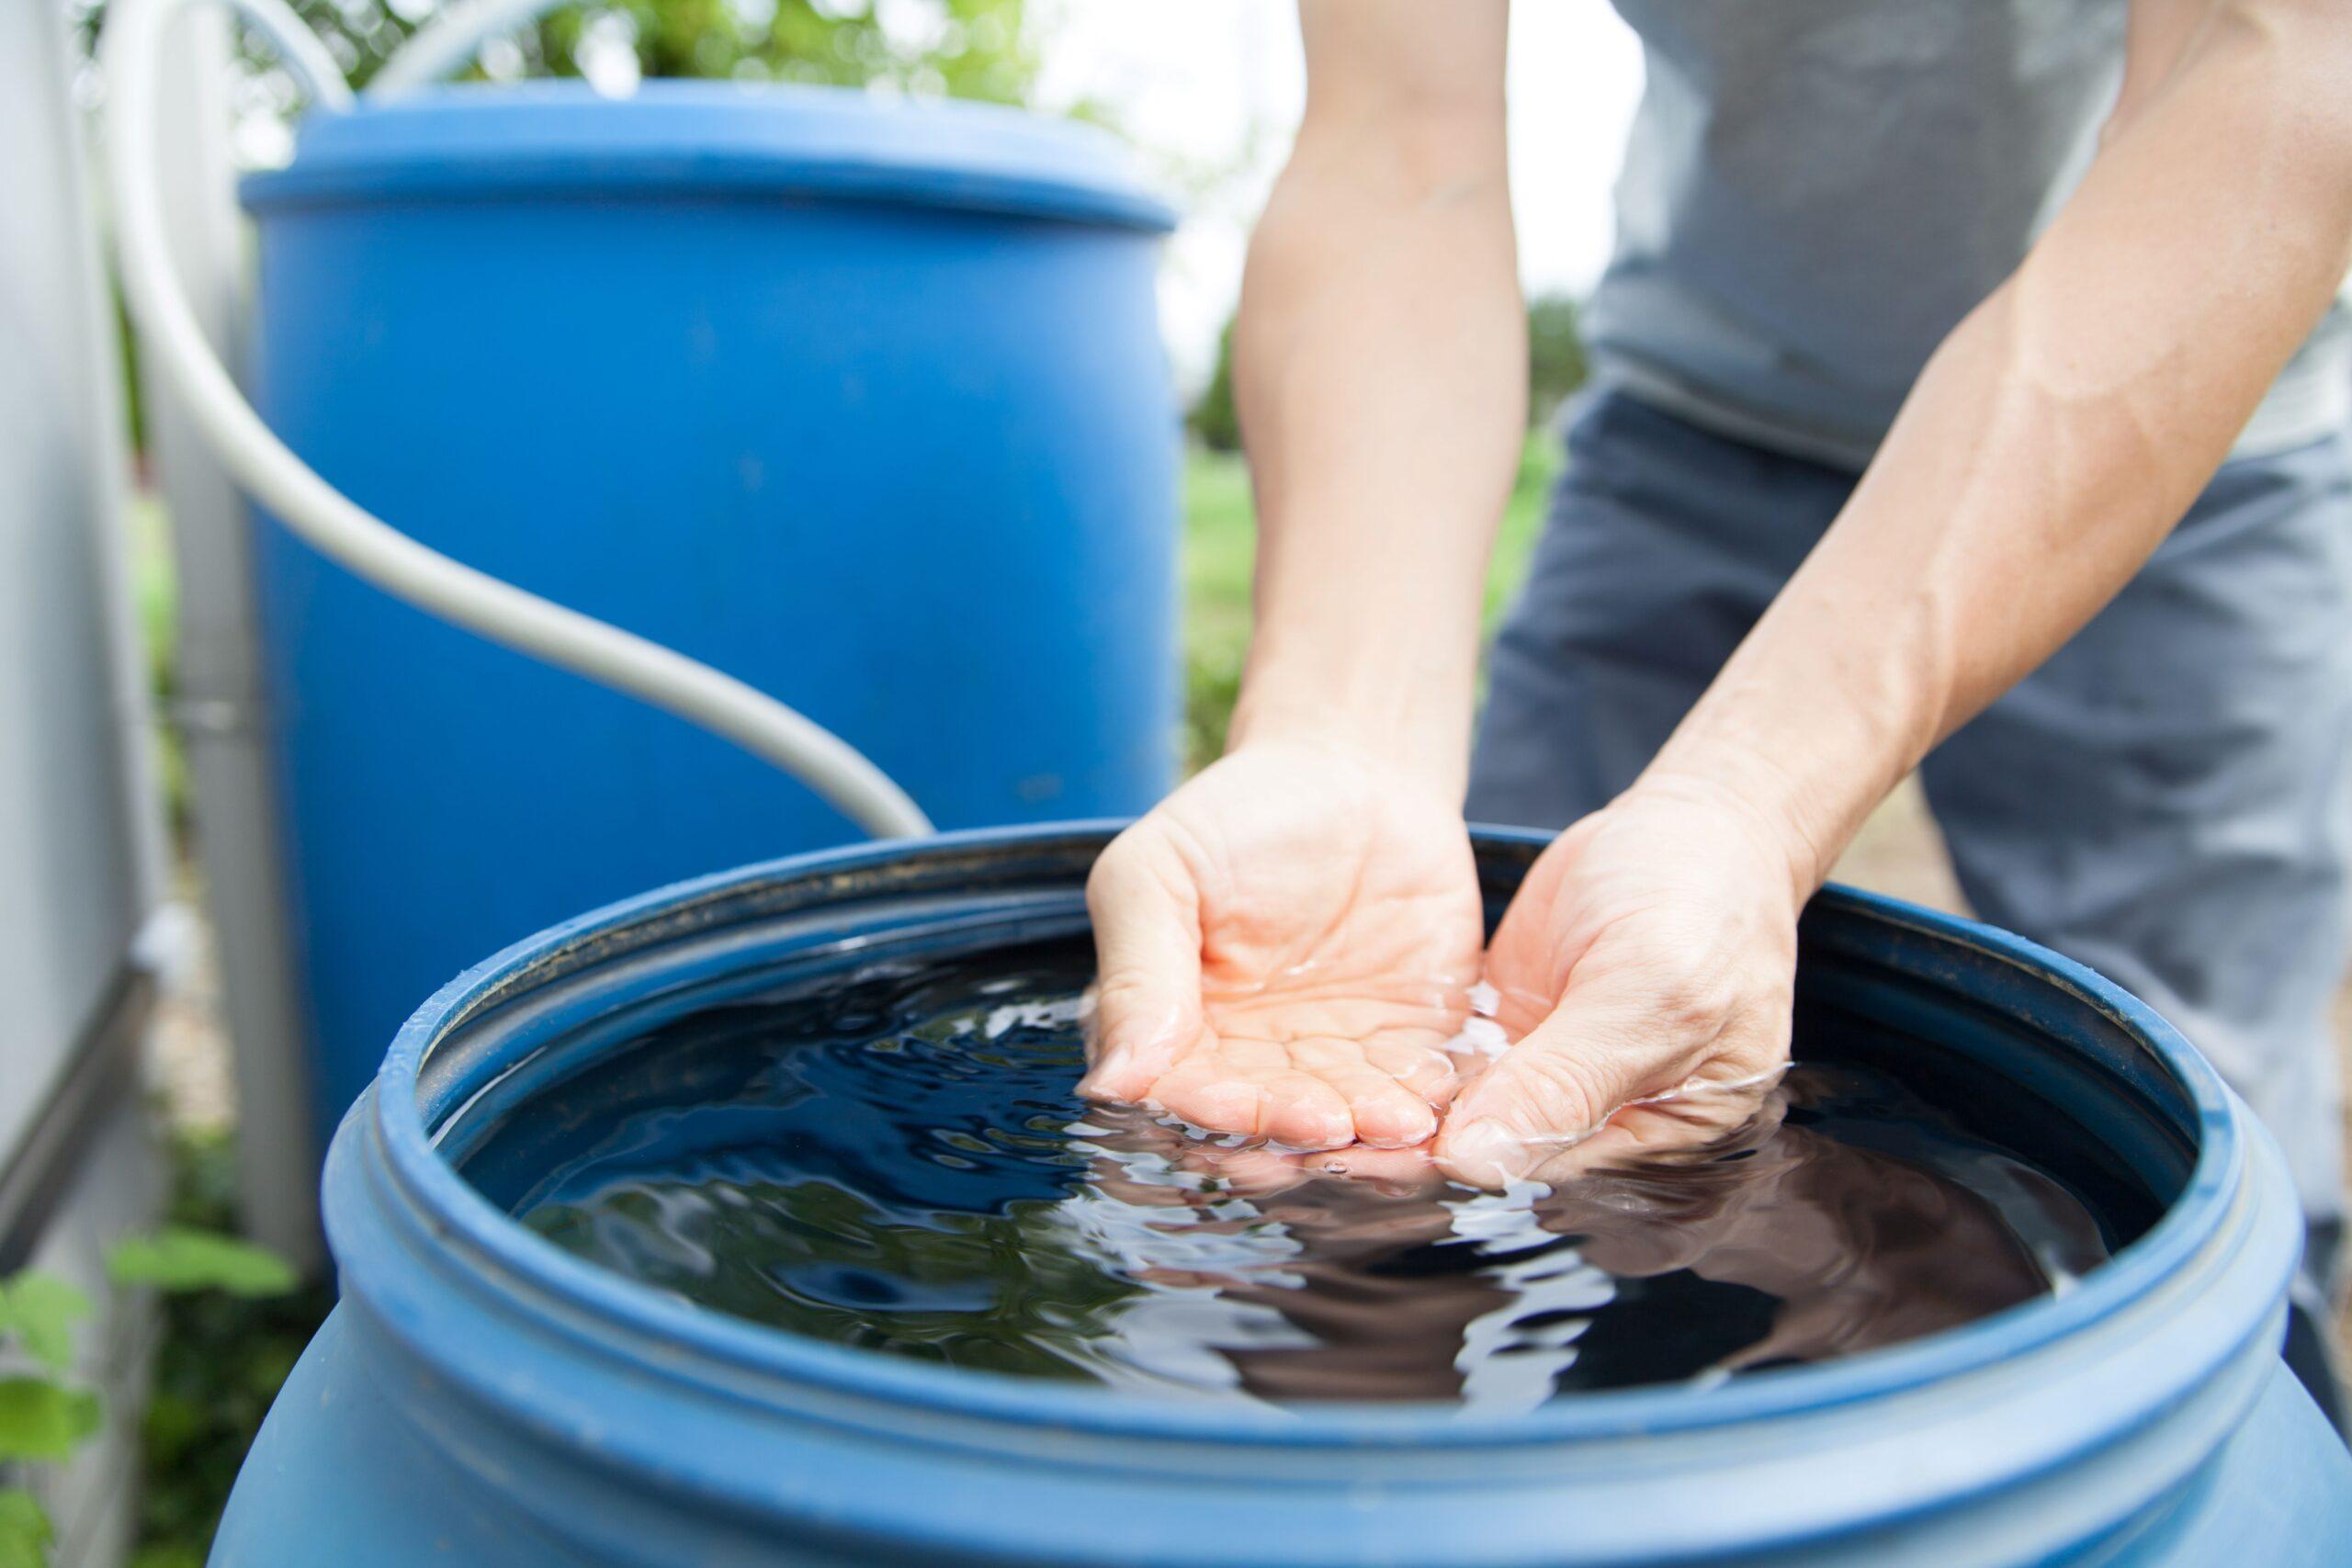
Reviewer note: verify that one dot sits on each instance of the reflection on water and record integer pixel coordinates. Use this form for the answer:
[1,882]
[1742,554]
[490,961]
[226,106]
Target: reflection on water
[901,1166]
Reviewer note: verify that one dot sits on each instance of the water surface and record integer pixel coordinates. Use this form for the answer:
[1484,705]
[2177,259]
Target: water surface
[901,1165]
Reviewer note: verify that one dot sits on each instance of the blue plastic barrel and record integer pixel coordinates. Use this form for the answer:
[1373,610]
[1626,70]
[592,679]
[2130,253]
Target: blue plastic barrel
[483,1400]
[863,402]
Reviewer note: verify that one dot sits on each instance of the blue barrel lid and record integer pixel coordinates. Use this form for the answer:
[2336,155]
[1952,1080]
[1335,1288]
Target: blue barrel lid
[673,138]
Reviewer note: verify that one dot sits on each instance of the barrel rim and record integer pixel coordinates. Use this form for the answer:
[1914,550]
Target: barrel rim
[710,138]
[405,1146]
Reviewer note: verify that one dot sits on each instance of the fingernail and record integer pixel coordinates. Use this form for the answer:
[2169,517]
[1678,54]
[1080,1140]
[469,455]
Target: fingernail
[1485,1149]
[1419,1129]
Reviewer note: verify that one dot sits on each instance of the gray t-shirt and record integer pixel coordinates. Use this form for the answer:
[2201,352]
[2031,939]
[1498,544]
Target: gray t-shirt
[1816,191]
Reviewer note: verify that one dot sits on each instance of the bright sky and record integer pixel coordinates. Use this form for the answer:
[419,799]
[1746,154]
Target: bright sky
[1211,89]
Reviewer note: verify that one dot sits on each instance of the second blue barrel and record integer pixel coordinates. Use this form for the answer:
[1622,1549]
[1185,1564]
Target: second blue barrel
[862,402]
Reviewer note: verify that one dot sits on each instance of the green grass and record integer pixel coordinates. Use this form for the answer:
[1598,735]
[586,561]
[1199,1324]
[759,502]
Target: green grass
[1220,534]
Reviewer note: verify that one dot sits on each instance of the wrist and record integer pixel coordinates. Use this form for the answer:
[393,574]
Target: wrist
[1745,792]
[1804,775]
[1419,737]
[1806,729]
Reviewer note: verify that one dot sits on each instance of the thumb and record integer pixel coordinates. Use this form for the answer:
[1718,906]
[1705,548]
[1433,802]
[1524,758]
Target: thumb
[1147,959]
[1596,1051]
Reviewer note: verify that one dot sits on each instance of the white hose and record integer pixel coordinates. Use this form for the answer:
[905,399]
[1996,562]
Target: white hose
[131,54]
[299,49]
[448,42]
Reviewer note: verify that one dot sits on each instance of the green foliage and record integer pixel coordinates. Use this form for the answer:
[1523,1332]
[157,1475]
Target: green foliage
[1220,541]
[41,1311]
[1523,515]
[40,1419]
[43,1419]
[964,49]
[1215,421]
[219,1364]
[180,1259]
[25,1533]
[173,1555]
[1555,364]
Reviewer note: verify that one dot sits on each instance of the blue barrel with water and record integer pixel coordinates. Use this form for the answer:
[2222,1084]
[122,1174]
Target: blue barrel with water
[481,1398]
[862,402]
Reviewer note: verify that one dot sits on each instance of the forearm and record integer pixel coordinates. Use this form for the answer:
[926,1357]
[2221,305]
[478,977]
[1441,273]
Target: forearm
[1380,372]
[2055,437]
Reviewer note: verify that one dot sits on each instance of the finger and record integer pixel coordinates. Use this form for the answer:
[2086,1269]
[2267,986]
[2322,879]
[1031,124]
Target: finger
[1386,1113]
[1425,1069]
[1292,1109]
[1381,1111]
[1148,953]
[1555,1089]
[1303,1111]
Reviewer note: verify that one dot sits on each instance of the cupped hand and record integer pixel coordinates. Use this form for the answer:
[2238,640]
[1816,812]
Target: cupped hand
[1286,944]
[1646,971]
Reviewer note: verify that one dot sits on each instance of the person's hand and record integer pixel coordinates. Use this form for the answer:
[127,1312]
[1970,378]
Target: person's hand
[1286,944]
[1646,971]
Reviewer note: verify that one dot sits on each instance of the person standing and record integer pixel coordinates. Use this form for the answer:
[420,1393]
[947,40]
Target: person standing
[1970,396]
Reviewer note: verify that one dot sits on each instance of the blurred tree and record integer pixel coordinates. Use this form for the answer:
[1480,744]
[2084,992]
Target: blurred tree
[1556,368]
[1555,365]
[966,49]
[1214,422]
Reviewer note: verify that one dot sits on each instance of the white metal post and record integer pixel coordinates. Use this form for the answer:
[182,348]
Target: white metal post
[222,710]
